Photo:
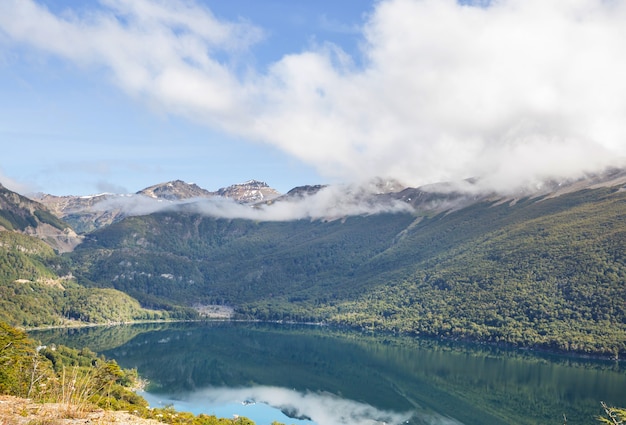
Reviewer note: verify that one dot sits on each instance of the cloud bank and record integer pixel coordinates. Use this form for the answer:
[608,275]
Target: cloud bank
[510,92]
[329,203]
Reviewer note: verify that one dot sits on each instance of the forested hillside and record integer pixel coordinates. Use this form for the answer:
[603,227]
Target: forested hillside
[191,258]
[549,274]
[37,289]
[545,272]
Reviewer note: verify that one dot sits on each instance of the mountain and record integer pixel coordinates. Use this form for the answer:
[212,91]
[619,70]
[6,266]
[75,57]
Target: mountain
[175,191]
[36,283]
[37,288]
[543,269]
[303,191]
[373,191]
[248,192]
[88,213]
[83,213]
[447,197]
[539,269]
[20,214]
[252,191]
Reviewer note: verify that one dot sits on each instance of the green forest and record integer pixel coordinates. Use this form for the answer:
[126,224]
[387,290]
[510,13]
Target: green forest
[38,289]
[542,273]
[534,272]
[537,272]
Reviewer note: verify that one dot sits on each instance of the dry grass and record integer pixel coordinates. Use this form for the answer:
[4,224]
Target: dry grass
[19,411]
[75,391]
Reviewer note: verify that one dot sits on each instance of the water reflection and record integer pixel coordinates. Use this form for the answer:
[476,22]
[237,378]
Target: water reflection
[440,383]
[297,407]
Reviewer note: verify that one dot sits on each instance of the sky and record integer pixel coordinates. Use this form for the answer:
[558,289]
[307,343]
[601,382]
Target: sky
[115,95]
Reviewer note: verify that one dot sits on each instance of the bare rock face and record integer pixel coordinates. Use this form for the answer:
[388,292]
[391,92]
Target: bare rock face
[248,192]
[83,213]
[302,191]
[89,213]
[64,241]
[251,191]
[175,191]
[21,214]
[61,205]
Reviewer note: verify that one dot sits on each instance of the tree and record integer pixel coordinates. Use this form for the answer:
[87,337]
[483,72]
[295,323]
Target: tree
[15,350]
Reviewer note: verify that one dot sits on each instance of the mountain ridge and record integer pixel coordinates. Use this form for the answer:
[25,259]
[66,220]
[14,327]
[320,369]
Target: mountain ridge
[539,269]
[535,271]
[435,196]
[88,213]
[175,190]
[21,214]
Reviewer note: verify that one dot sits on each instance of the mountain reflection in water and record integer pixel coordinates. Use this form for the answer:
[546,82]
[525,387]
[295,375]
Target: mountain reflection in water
[330,375]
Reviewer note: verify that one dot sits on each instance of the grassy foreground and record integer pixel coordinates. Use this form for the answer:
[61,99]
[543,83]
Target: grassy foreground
[63,384]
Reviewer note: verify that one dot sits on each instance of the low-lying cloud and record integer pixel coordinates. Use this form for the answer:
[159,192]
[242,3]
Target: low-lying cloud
[510,92]
[329,203]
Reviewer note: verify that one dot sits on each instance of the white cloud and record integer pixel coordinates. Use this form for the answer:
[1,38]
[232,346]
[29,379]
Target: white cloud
[514,92]
[329,203]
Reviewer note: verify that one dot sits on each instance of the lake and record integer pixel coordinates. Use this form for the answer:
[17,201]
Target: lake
[306,375]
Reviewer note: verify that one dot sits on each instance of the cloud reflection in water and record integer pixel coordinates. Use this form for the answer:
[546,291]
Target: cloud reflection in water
[321,408]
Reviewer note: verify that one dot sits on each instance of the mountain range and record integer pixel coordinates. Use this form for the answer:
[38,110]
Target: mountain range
[544,268]
[87,213]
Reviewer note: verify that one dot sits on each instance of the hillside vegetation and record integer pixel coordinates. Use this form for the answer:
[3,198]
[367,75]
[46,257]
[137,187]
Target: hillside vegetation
[37,289]
[549,274]
[73,384]
[543,273]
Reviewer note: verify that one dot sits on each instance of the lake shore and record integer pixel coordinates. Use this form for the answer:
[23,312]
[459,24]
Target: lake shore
[210,313]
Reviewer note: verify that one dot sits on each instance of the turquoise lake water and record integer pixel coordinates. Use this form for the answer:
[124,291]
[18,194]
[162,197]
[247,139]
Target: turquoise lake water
[317,375]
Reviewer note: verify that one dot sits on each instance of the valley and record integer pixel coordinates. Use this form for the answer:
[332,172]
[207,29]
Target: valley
[542,270]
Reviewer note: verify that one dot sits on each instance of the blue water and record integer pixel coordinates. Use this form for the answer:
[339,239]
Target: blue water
[260,413]
[345,378]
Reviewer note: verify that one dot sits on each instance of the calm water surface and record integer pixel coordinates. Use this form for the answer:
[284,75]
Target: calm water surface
[316,375]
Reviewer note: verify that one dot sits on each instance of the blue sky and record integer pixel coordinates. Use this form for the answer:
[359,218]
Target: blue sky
[114,96]
[66,130]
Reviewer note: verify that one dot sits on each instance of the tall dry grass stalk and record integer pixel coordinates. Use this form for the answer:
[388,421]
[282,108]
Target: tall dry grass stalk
[75,392]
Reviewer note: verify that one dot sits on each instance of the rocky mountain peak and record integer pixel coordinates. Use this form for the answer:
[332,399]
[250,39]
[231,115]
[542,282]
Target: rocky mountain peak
[307,190]
[250,191]
[175,191]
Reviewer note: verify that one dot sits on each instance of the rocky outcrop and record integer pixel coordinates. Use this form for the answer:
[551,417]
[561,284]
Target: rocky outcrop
[21,214]
[175,191]
[252,191]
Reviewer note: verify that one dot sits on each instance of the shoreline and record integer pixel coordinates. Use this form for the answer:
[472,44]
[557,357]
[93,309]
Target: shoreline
[509,346]
[80,325]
